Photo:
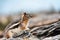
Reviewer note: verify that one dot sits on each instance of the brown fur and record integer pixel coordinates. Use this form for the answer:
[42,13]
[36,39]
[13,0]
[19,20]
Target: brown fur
[25,21]
[7,35]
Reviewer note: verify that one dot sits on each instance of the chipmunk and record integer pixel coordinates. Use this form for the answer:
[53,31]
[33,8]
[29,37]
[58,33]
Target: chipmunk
[17,27]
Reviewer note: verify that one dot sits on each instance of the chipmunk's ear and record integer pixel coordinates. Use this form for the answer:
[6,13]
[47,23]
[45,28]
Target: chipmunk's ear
[24,13]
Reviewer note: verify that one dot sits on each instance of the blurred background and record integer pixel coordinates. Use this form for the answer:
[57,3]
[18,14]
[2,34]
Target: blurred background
[10,9]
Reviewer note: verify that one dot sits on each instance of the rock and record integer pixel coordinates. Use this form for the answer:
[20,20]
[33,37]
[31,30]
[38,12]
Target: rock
[57,37]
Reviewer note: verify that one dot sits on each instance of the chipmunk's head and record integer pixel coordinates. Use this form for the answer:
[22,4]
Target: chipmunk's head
[26,16]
